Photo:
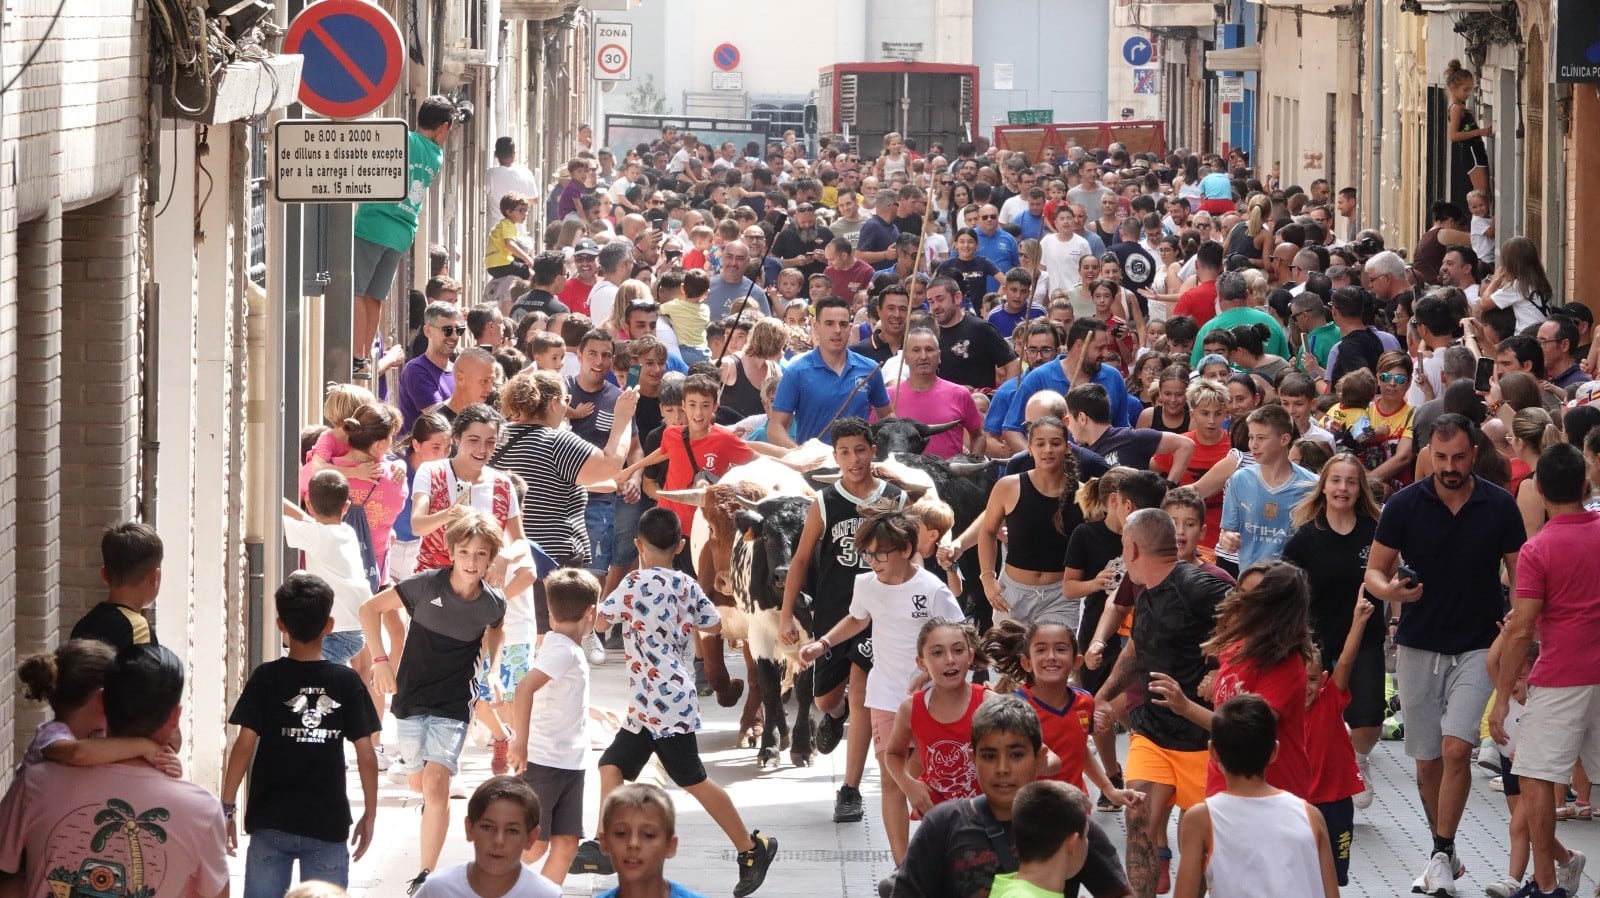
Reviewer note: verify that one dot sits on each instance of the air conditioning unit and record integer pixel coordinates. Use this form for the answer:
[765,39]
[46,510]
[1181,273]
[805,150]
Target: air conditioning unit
[467,44]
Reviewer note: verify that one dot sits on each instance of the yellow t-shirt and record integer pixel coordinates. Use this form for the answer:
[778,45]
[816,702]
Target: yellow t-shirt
[830,196]
[497,254]
[689,320]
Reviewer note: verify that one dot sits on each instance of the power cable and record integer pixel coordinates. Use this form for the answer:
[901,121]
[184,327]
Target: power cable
[37,48]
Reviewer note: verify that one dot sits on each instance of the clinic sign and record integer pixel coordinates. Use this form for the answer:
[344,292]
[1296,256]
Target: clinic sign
[1577,43]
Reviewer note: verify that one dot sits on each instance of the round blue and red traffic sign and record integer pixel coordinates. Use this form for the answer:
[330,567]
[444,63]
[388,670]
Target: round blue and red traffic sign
[353,56]
[725,57]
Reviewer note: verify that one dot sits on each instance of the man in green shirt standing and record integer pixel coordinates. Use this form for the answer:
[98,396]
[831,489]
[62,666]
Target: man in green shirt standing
[1309,314]
[1234,310]
[384,231]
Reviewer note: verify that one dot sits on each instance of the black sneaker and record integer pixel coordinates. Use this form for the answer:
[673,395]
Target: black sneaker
[1105,804]
[848,806]
[590,859]
[886,886]
[413,885]
[753,864]
[830,730]
[613,640]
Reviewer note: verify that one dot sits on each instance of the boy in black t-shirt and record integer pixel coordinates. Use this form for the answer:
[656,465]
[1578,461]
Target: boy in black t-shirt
[130,563]
[294,716]
[455,620]
[961,845]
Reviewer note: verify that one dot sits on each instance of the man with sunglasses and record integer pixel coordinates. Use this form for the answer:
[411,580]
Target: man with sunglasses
[428,379]
[764,267]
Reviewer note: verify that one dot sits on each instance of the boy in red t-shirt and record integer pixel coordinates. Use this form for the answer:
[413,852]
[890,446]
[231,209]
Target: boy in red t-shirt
[700,445]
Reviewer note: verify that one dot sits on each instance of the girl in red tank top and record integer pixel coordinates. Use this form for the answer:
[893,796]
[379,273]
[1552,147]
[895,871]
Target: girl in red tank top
[937,721]
[1041,659]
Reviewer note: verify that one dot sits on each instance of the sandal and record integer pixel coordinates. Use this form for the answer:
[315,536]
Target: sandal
[1581,810]
[1566,812]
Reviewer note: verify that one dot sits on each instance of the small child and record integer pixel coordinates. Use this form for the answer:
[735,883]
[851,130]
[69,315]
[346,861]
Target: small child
[298,807]
[660,609]
[937,720]
[690,315]
[1252,839]
[1040,659]
[699,254]
[340,404]
[1335,778]
[791,281]
[500,679]
[894,599]
[502,823]
[819,286]
[553,764]
[70,679]
[1348,420]
[639,824]
[505,255]
[1050,821]
[934,519]
[130,563]
[332,552]
[1483,242]
[549,351]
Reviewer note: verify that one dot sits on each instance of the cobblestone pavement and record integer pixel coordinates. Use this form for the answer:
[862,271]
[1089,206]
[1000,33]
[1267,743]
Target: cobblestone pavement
[820,858]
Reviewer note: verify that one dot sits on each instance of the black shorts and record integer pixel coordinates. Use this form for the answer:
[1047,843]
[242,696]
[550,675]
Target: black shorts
[679,754]
[560,793]
[1340,818]
[832,670]
[1510,781]
[1092,680]
[1368,704]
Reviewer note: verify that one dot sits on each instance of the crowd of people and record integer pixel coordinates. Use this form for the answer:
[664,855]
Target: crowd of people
[1262,492]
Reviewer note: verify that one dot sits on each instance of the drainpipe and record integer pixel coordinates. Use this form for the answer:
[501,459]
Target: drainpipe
[1377,86]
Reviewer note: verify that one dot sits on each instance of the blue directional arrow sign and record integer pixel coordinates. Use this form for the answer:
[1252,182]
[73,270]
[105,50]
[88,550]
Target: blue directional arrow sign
[1138,51]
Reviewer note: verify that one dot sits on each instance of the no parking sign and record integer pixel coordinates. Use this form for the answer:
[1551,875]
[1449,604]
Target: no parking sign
[353,56]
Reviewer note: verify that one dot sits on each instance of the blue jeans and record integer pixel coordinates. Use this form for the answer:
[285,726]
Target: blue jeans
[624,554]
[269,862]
[692,354]
[600,519]
[342,645]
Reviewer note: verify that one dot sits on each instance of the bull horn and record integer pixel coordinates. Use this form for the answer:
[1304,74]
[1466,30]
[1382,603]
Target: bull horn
[695,497]
[826,478]
[936,429]
[746,501]
[967,468]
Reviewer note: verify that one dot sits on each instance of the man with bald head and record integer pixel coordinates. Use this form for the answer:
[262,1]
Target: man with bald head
[732,291]
[1173,613]
[1306,262]
[1280,273]
[474,370]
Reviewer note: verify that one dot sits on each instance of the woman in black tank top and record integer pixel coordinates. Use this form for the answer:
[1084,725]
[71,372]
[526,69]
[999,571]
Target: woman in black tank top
[1037,510]
[741,396]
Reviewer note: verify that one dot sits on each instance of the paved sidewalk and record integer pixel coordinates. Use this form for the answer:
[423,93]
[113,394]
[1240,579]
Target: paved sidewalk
[820,858]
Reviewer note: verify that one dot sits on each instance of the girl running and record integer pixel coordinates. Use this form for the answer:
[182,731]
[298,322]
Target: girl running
[937,720]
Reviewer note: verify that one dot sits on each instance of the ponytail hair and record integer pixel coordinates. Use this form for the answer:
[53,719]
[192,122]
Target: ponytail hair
[1005,645]
[1259,206]
[1454,74]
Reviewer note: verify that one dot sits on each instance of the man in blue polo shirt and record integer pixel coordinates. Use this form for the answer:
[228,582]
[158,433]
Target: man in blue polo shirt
[996,244]
[816,384]
[1087,341]
[1453,531]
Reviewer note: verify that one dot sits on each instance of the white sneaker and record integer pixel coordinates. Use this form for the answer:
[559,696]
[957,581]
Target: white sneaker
[1503,888]
[594,648]
[1567,874]
[1438,878]
[383,758]
[399,778]
[1363,799]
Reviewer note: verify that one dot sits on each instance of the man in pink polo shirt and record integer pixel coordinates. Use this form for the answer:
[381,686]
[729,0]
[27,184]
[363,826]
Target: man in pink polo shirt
[1557,592]
[922,396]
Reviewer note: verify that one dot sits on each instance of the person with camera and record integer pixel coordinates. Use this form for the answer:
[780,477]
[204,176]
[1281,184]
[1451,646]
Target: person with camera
[1453,531]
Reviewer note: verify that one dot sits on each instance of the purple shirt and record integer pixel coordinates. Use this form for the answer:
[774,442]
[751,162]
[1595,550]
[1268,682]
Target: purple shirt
[568,202]
[422,385]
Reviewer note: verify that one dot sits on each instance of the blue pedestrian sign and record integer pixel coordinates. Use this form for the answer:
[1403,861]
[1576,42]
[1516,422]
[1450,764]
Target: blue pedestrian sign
[1138,51]
[353,56]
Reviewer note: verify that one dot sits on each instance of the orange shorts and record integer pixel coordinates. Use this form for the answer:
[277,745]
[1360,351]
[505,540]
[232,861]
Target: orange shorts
[1185,771]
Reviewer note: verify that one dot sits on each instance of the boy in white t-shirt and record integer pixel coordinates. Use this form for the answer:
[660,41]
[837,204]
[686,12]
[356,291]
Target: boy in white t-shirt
[895,599]
[333,552]
[552,762]
[502,822]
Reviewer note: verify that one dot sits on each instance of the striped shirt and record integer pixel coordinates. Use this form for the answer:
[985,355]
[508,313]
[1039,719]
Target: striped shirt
[552,509]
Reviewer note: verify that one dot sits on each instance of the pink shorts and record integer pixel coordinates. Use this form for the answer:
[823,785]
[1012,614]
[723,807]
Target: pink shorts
[882,730]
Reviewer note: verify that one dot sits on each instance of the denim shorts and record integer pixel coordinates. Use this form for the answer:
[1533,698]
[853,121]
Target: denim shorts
[692,354]
[341,646]
[427,738]
[599,518]
[626,515]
